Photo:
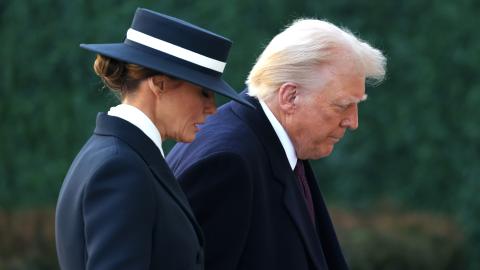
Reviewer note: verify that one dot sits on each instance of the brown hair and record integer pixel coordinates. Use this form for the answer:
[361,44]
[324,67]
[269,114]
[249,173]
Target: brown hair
[119,76]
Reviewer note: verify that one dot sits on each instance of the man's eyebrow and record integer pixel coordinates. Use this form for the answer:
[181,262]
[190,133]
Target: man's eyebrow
[364,97]
[352,100]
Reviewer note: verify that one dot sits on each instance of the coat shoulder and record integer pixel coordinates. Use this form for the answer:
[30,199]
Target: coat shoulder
[223,134]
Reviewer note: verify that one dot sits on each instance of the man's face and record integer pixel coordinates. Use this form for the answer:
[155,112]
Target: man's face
[322,115]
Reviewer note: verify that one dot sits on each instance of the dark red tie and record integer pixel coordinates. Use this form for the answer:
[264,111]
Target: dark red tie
[303,184]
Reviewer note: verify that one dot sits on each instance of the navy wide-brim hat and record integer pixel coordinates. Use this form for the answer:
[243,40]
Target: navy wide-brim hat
[176,48]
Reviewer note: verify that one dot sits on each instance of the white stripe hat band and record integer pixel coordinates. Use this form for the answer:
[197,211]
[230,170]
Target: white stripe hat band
[174,50]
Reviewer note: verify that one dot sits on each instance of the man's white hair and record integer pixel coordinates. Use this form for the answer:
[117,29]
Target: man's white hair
[294,54]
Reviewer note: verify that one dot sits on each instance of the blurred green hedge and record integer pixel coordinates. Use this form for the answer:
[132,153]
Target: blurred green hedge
[28,239]
[418,145]
[396,240]
[371,241]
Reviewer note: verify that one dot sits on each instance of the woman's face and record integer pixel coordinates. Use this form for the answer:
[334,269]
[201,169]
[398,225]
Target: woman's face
[188,106]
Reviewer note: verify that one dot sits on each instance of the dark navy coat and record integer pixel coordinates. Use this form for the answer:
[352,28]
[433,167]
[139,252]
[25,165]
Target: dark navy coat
[246,198]
[120,207]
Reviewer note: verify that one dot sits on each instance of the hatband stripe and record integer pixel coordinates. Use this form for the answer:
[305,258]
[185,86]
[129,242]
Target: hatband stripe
[174,50]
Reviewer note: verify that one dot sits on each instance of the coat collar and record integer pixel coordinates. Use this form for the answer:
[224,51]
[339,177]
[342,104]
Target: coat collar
[281,169]
[145,148]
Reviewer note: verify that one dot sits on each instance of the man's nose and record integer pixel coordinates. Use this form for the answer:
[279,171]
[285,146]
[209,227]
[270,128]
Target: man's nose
[351,121]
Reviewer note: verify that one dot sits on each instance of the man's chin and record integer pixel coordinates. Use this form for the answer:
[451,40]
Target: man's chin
[321,153]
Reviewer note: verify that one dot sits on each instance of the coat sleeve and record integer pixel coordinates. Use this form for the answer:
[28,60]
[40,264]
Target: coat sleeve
[219,188]
[119,211]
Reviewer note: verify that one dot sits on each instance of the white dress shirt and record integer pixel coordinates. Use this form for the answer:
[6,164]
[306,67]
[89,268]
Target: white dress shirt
[282,135]
[137,118]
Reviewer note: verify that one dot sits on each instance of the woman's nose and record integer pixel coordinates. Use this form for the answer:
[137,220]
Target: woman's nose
[211,107]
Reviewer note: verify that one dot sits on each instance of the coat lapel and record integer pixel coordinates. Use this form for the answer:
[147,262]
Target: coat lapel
[326,231]
[283,173]
[138,141]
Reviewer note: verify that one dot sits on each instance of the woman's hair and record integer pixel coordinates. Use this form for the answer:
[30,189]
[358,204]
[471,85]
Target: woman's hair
[293,54]
[119,76]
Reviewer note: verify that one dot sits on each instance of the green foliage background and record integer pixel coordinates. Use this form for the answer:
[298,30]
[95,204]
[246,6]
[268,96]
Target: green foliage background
[417,148]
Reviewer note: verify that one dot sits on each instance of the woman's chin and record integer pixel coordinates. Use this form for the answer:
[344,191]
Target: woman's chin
[187,138]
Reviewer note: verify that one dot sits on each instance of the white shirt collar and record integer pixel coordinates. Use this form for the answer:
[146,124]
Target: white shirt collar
[282,135]
[137,118]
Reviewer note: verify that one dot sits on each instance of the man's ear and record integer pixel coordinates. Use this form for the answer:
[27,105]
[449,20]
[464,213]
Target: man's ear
[287,97]
[156,84]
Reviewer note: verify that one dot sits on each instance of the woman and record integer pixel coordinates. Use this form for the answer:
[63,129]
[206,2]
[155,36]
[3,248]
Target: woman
[120,206]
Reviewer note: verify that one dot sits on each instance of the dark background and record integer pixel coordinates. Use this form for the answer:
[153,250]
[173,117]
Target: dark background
[403,189]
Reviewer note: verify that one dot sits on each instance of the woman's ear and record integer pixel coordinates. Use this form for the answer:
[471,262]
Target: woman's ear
[156,84]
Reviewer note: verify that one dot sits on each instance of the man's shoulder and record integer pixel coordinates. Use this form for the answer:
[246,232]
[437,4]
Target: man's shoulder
[225,130]
[223,134]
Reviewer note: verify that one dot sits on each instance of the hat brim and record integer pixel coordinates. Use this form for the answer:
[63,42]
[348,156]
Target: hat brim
[126,53]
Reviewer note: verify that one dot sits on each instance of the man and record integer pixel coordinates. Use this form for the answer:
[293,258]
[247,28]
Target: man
[247,174]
